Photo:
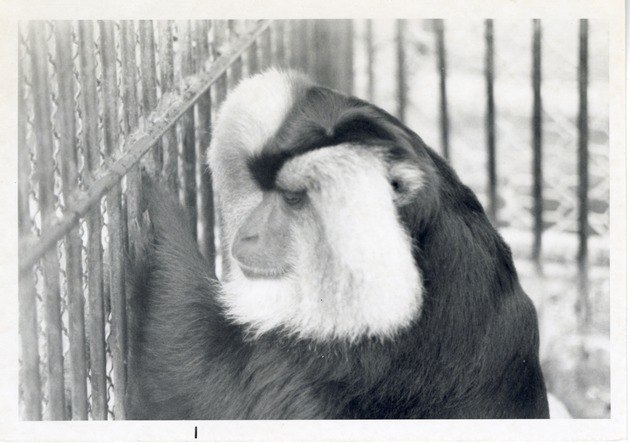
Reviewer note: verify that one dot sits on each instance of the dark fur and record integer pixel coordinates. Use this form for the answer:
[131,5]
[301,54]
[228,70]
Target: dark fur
[473,353]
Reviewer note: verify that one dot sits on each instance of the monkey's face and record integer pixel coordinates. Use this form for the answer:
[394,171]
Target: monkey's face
[319,251]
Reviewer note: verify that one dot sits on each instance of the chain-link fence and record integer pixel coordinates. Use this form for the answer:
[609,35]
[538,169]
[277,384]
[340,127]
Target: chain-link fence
[98,101]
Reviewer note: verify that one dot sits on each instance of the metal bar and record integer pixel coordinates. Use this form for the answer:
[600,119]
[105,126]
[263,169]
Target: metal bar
[236,73]
[369,43]
[441,54]
[66,126]
[304,44]
[490,121]
[322,39]
[167,113]
[252,59]
[583,182]
[236,70]
[167,76]
[30,383]
[280,55]
[311,29]
[347,43]
[266,49]
[219,37]
[118,338]
[204,107]
[46,181]
[149,80]
[401,75]
[331,40]
[131,119]
[189,182]
[294,43]
[537,140]
[96,320]
[220,93]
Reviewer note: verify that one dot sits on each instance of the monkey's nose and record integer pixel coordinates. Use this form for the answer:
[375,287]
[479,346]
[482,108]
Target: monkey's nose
[245,245]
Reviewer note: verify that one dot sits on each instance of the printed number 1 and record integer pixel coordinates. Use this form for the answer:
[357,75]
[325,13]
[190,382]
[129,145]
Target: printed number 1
[195,432]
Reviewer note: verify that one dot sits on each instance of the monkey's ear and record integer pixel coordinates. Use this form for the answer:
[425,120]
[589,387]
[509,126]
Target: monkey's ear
[407,180]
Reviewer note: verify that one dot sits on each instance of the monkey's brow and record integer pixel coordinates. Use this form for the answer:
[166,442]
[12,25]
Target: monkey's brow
[264,168]
[323,118]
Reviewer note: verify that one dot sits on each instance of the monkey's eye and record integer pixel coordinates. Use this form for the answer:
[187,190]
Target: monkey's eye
[294,199]
[396,185]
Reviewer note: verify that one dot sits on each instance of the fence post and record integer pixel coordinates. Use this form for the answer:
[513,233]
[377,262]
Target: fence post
[369,43]
[220,94]
[45,176]
[490,120]
[30,383]
[66,127]
[236,69]
[131,119]
[204,113]
[89,111]
[167,77]
[118,337]
[189,182]
[149,80]
[441,58]
[279,53]
[329,36]
[583,131]
[401,65]
[537,140]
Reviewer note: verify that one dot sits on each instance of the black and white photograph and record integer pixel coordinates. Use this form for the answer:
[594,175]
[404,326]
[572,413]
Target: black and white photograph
[240,225]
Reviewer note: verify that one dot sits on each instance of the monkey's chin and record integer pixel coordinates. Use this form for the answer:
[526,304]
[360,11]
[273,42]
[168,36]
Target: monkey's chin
[262,273]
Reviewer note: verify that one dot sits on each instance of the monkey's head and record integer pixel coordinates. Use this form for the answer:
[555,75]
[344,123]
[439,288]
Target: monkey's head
[319,195]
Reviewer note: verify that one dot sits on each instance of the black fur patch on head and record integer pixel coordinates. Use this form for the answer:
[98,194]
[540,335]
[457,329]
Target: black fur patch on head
[264,168]
[322,118]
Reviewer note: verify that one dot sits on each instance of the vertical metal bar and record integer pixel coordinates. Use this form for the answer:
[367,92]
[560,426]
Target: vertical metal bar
[490,121]
[369,43]
[66,127]
[167,77]
[401,75]
[236,69]
[346,31]
[312,52]
[188,132]
[441,54]
[294,43]
[116,250]
[280,56]
[266,48]
[219,37]
[133,208]
[537,140]
[89,110]
[204,106]
[252,59]
[131,120]
[220,93]
[322,63]
[149,80]
[331,40]
[304,44]
[30,384]
[46,180]
[583,132]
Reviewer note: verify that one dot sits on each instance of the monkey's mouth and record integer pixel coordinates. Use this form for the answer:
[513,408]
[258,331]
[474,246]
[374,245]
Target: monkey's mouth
[262,273]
